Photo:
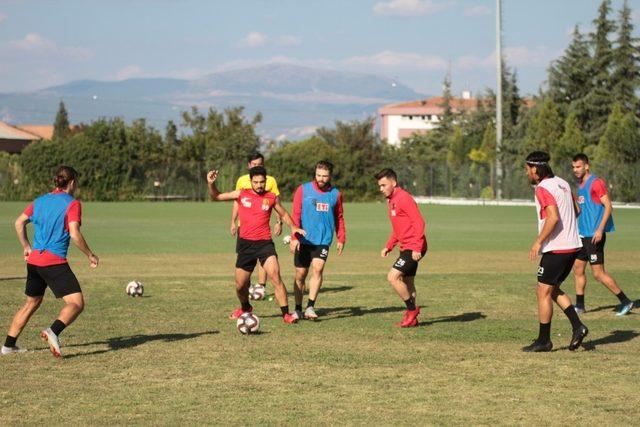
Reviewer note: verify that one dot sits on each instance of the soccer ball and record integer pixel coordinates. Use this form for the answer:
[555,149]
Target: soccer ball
[286,239]
[134,289]
[248,323]
[256,292]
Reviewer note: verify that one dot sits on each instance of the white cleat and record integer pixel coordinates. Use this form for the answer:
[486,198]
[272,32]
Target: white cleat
[297,315]
[11,350]
[51,339]
[310,314]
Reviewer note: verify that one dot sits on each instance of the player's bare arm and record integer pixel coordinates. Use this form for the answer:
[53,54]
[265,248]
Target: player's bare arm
[608,208]
[81,243]
[286,218]
[234,219]
[21,231]
[552,218]
[214,193]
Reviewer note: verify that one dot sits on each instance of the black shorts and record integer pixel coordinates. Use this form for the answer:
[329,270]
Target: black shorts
[252,251]
[303,256]
[59,278]
[554,268]
[592,253]
[406,264]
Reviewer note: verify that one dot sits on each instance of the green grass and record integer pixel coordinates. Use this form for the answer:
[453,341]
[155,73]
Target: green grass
[172,357]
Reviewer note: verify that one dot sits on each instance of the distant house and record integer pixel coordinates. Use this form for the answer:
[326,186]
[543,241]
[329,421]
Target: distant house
[402,120]
[13,139]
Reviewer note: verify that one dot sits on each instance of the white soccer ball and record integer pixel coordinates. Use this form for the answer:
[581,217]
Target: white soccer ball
[286,239]
[257,292]
[134,289]
[248,323]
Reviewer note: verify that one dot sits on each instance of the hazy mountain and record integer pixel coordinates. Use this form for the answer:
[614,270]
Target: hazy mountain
[293,99]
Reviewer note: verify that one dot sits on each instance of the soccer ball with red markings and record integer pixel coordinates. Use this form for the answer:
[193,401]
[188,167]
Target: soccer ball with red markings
[257,292]
[248,323]
[134,289]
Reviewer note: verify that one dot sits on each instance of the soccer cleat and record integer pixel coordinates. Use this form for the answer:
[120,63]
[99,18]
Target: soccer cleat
[577,337]
[580,309]
[51,339]
[537,347]
[288,318]
[412,324]
[410,316]
[624,308]
[310,313]
[11,350]
[238,312]
[297,315]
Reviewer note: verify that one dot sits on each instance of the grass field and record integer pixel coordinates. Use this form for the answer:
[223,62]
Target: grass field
[172,357]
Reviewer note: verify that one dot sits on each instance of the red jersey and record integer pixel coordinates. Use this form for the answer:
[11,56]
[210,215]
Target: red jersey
[46,258]
[254,211]
[408,225]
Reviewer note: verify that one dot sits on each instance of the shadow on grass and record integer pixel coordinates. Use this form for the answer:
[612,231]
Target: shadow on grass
[613,338]
[332,313]
[464,317]
[636,304]
[330,290]
[119,343]
[12,278]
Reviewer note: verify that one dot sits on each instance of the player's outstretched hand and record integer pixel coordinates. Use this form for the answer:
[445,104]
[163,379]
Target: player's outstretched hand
[212,175]
[384,252]
[416,255]
[93,260]
[299,231]
[340,247]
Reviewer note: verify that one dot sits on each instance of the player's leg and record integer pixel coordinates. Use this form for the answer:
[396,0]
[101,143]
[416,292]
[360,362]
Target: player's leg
[410,281]
[245,264]
[397,280]
[580,279]
[262,276]
[315,283]
[19,321]
[607,280]
[272,267]
[298,289]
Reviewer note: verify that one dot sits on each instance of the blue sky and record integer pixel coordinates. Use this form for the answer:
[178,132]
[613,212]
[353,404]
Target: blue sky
[44,43]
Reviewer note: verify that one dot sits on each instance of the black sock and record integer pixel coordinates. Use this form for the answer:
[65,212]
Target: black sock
[284,310]
[580,300]
[10,341]
[57,327]
[544,336]
[298,307]
[622,297]
[262,284]
[573,317]
[311,302]
[246,306]
[410,303]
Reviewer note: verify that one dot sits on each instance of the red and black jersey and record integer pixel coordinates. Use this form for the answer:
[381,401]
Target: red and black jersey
[254,212]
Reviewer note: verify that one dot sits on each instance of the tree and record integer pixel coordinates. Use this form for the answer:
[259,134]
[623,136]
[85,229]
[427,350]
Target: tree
[61,129]
[486,154]
[545,129]
[626,62]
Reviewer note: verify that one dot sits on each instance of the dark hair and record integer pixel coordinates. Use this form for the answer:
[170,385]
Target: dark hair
[64,175]
[540,160]
[581,156]
[257,170]
[254,156]
[325,164]
[386,173]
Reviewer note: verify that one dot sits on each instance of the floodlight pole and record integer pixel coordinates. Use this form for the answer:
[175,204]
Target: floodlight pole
[498,161]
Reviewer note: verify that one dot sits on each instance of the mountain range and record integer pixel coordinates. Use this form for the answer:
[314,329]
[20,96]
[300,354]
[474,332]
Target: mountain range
[293,100]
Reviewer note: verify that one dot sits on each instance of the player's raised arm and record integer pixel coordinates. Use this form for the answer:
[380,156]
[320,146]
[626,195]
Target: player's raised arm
[287,218]
[214,193]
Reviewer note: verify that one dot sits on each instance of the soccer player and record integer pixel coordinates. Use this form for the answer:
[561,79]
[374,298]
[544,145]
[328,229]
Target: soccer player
[408,229]
[56,218]
[594,222]
[317,208]
[244,182]
[254,240]
[559,244]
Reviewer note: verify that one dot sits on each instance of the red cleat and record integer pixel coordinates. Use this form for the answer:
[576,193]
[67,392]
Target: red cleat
[238,312]
[288,318]
[410,318]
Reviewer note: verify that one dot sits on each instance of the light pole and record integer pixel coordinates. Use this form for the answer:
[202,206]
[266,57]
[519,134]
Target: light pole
[498,99]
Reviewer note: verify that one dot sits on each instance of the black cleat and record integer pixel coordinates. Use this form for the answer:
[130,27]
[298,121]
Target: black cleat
[577,337]
[537,346]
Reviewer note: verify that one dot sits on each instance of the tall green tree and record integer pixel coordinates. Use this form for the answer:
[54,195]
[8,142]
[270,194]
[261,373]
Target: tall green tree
[626,64]
[61,129]
[545,128]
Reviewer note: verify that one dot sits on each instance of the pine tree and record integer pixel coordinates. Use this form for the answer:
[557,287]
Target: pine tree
[599,101]
[572,142]
[445,126]
[545,129]
[626,74]
[61,128]
[570,77]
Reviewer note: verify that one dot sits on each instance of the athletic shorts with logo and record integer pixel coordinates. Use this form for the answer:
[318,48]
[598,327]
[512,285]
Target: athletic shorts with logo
[252,251]
[406,264]
[554,267]
[305,253]
[594,253]
[59,278]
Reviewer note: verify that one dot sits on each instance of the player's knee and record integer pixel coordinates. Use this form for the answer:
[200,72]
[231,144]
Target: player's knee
[392,277]
[33,303]
[600,276]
